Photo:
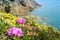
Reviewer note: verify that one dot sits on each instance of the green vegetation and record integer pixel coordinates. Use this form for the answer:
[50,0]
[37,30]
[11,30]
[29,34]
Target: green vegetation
[31,29]
[10,12]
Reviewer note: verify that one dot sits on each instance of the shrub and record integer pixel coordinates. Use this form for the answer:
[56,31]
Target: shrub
[13,28]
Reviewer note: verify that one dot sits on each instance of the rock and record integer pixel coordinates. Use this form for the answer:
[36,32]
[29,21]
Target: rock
[30,3]
[18,7]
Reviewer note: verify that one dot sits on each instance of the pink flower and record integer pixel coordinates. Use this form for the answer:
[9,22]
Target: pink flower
[20,21]
[15,32]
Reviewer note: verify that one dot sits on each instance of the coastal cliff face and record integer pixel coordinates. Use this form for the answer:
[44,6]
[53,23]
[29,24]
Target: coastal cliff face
[18,7]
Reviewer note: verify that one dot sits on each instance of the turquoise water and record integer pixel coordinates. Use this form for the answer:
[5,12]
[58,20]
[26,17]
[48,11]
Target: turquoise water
[49,9]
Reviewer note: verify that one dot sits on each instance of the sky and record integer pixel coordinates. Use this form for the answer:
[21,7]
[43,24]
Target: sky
[49,9]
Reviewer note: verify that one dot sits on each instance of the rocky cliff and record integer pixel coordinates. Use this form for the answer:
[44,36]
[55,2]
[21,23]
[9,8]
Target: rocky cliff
[18,7]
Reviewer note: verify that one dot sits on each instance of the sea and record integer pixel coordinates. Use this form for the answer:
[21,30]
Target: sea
[50,9]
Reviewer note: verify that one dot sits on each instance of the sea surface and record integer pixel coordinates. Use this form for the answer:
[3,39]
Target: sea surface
[50,9]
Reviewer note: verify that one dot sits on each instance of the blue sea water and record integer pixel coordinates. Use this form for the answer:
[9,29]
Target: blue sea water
[50,9]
